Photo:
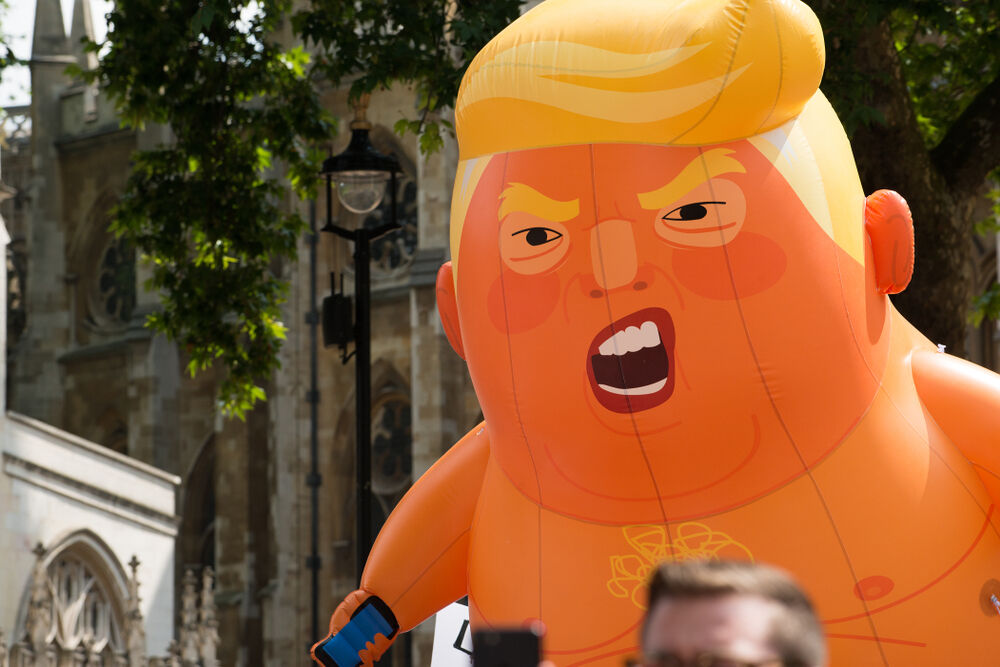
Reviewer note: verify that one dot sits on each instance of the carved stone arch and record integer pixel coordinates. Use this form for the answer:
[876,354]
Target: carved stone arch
[196,541]
[386,377]
[77,596]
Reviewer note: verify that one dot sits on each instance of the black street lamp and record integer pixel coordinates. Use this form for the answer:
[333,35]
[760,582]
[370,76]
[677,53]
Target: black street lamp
[360,174]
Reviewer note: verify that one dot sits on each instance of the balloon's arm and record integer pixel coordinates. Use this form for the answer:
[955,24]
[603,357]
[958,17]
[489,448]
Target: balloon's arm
[418,563]
[964,400]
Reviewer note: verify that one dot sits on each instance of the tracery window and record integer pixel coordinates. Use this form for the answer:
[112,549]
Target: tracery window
[76,601]
[394,251]
[392,452]
[114,288]
[82,611]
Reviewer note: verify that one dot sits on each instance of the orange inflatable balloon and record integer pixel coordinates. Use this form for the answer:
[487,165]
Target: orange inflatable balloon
[671,294]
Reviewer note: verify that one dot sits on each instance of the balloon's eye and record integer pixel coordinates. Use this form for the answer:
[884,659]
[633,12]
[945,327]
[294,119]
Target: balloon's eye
[530,246]
[708,216]
[536,236]
[695,211]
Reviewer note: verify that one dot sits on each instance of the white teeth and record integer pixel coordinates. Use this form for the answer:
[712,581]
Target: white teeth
[635,391]
[650,334]
[632,339]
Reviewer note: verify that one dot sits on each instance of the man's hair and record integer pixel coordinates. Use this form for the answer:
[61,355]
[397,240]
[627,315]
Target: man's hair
[796,634]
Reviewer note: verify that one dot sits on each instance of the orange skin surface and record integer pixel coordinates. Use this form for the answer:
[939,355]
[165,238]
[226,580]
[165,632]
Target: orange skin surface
[804,422]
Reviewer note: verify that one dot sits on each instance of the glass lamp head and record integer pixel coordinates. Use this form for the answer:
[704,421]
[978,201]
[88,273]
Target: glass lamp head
[361,191]
[360,172]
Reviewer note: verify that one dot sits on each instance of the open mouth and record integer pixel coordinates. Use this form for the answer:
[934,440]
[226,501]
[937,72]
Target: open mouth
[630,363]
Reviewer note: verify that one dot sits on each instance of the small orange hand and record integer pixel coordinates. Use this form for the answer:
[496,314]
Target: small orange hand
[370,655]
[342,616]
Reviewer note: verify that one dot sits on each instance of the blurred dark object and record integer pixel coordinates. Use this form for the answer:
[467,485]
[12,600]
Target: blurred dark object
[518,647]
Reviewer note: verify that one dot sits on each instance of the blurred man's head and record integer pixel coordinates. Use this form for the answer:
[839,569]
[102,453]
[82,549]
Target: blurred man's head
[729,614]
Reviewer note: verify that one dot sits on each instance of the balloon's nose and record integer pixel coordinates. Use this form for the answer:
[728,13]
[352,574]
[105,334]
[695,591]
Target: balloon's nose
[612,254]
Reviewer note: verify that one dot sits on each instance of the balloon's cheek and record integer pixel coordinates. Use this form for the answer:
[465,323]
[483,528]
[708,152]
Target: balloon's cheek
[519,303]
[749,265]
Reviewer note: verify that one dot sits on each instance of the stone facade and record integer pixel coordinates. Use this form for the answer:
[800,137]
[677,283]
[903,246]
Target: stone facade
[83,362]
[72,512]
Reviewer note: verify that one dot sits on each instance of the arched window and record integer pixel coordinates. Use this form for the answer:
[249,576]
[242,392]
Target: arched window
[104,269]
[197,536]
[77,597]
[392,451]
[112,285]
[84,604]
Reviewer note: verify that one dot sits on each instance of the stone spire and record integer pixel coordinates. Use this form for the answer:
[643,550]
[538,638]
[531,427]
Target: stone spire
[82,26]
[209,625]
[50,35]
[135,632]
[39,620]
[189,621]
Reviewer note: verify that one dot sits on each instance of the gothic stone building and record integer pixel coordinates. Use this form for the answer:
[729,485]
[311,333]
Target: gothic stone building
[79,359]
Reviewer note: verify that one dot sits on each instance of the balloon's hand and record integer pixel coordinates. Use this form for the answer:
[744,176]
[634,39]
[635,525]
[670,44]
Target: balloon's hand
[375,650]
[361,630]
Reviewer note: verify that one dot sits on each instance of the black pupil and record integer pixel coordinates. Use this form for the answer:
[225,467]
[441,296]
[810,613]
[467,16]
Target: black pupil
[536,236]
[692,212]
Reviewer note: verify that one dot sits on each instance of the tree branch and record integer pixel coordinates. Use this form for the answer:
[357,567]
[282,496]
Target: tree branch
[971,148]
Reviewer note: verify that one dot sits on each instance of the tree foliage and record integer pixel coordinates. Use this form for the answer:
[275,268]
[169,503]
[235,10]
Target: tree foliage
[428,43]
[7,57]
[206,211]
[916,84]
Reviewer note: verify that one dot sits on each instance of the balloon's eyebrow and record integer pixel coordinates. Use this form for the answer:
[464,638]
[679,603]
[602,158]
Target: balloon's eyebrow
[525,199]
[706,166]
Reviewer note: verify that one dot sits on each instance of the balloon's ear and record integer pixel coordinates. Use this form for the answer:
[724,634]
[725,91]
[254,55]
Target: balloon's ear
[889,226]
[448,308]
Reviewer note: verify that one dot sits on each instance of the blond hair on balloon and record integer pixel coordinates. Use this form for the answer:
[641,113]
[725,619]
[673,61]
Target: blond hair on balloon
[664,72]
[679,72]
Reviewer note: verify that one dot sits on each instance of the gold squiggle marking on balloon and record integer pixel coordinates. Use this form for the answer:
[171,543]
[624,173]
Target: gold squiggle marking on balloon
[692,541]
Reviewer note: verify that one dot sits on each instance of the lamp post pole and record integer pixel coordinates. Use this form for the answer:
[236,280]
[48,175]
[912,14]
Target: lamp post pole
[363,373]
[361,173]
[360,156]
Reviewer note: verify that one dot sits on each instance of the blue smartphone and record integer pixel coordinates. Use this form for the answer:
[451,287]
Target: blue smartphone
[371,618]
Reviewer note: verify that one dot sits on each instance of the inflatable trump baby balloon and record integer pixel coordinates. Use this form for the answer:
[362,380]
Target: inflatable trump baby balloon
[670,291]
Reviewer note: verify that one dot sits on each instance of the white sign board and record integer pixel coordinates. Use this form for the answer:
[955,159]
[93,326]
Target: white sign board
[452,637]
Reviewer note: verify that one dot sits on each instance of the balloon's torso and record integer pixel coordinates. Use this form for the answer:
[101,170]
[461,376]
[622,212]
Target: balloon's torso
[893,534]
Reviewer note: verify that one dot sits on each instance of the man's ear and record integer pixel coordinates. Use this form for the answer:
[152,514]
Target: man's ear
[889,226]
[448,308]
